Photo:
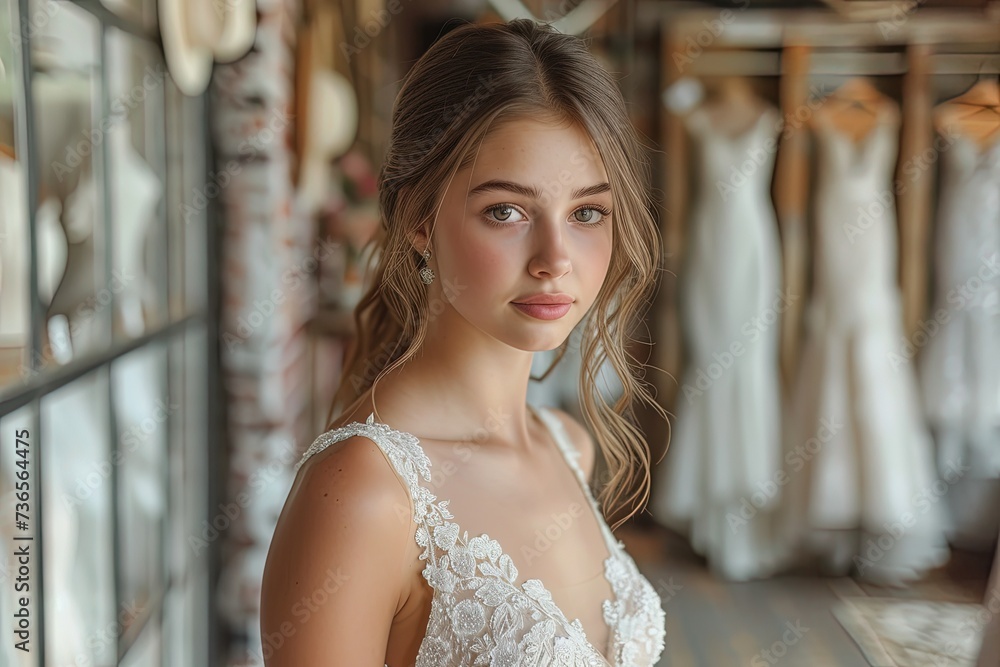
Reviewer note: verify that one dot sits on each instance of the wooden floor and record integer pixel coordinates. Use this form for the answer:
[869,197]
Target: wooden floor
[711,623]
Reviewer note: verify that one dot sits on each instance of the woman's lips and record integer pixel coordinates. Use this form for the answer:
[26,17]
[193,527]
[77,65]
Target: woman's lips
[543,311]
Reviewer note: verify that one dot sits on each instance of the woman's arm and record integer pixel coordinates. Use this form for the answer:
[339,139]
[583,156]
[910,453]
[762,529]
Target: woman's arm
[334,578]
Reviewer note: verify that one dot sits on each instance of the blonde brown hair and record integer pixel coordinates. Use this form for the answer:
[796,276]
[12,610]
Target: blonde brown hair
[473,76]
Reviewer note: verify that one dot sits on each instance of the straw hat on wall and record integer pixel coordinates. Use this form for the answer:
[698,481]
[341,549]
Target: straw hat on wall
[326,121]
[330,131]
[240,26]
[196,33]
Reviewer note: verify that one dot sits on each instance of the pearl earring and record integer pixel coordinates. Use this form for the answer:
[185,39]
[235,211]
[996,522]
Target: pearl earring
[426,275]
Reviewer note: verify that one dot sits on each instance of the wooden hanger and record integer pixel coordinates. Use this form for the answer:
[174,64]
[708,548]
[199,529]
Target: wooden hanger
[975,113]
[854,108]
[734,106]
[736,90]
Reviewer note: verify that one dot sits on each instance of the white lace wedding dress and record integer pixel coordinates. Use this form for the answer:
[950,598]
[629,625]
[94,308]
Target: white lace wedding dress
[960,359]
[479,614]
[864,492]
[715,483]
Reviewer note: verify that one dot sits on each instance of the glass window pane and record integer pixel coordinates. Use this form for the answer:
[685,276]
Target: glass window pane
[139,12]
[190,200]
[186,628]
[191,542]
[147,651]
[134,132]
[77,474]
[142,414]
[188,454]
[66,93]
[15,307]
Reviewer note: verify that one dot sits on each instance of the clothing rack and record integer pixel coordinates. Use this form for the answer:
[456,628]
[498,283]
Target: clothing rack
[748,62]
[801,48]
[773,28]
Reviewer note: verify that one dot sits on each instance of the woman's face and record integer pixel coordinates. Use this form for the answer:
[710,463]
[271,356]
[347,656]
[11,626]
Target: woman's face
[531,216]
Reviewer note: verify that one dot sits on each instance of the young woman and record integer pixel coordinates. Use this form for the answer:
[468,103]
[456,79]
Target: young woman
[449,522]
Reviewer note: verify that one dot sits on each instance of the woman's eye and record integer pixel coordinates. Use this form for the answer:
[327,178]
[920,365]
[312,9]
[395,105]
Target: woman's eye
[505,214]
[591,216]
[502,213]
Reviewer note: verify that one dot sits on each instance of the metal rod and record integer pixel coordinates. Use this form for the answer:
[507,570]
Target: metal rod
[51,380]
[737,26]
[105,172]
[750,62]
[110,18]
[216,457]
[26,132]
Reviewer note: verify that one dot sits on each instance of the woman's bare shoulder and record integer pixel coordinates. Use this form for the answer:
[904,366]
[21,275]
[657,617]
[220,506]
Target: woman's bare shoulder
[355,466]
[345,528]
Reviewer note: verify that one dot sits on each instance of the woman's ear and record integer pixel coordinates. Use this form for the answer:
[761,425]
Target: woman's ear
[419,238]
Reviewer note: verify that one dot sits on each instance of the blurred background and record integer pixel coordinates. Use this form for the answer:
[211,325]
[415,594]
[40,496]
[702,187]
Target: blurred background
[187,196]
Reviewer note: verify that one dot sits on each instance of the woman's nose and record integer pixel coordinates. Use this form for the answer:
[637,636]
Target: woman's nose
[550,257]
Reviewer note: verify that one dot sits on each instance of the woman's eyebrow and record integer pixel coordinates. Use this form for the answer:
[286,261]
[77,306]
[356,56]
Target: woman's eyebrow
[531,191]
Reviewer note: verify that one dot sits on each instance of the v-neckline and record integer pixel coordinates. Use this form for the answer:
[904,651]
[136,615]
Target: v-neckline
[613,553]
[735,138]
[982,156]
[859,149]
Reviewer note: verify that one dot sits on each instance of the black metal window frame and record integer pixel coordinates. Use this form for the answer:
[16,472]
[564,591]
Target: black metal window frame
[41,384]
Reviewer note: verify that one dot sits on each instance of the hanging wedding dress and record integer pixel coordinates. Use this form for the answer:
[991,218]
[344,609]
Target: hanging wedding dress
[960,363]
[716,482]
[862,489]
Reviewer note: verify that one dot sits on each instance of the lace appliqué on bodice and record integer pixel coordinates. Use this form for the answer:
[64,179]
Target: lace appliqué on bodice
[479,615]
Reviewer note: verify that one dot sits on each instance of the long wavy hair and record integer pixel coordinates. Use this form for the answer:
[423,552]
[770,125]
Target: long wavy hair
[472,77]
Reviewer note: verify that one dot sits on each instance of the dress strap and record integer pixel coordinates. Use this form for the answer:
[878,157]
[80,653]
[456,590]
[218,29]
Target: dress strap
[402,449]
[572,456]
[412,464]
